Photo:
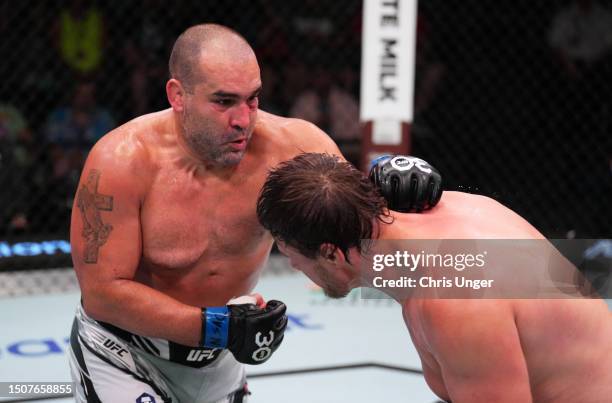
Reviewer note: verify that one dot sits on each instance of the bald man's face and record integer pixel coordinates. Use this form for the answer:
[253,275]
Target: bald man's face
[221,110]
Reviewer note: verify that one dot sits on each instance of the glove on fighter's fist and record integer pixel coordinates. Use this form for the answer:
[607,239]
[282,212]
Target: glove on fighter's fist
[252,333]
[409,184]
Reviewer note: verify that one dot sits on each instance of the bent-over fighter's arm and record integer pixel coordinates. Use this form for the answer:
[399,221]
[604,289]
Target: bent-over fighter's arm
[477,346]
[107,244]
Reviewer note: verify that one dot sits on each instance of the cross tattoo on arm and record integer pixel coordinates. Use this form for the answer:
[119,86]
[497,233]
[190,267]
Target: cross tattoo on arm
[90,203]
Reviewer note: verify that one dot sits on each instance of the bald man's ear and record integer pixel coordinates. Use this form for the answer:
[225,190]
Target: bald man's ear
[176,94]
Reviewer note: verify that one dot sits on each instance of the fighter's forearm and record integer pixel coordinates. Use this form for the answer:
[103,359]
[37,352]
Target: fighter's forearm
[142,310]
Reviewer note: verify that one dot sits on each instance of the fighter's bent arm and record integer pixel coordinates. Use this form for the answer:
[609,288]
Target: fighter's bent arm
[106,248]
[478,348]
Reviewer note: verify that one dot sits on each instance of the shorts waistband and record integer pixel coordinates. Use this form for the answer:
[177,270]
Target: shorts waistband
[196,357]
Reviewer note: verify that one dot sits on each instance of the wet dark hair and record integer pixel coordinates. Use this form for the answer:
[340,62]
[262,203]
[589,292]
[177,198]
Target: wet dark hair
[315,199]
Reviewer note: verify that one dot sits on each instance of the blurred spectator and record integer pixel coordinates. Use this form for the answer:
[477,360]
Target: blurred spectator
[581,33]
[72,130]
[79,31]
[330,105]
[146,54]
[18,163]
[581,36]
[15,136]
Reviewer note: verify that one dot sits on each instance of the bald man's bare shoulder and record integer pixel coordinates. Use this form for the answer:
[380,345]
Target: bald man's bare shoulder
[134,144]
[293,136]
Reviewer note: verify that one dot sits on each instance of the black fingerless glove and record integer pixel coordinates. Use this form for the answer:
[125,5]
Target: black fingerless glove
[251,333]
[409,184]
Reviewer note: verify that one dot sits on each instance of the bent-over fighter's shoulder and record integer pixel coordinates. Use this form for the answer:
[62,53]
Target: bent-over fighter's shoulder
[487,218]
[294,136]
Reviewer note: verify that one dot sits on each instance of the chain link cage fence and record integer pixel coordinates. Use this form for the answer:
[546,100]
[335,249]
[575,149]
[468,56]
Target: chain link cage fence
[511,99]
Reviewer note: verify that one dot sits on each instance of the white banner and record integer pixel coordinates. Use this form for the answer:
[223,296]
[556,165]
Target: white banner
[387,64]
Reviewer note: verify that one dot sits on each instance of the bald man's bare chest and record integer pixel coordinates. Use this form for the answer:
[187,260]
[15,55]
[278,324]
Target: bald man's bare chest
[188,221]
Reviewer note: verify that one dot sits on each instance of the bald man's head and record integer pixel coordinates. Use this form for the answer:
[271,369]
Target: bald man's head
[206,40]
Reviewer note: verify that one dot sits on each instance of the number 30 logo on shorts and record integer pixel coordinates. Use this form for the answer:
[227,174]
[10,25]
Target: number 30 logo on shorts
[402,163]
[264,351]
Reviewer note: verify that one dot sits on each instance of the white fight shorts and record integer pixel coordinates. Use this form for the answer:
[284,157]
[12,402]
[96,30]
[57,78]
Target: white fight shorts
[112,365]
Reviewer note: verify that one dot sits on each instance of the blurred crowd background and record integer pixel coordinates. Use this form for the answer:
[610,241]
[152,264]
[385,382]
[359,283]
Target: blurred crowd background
[512,97]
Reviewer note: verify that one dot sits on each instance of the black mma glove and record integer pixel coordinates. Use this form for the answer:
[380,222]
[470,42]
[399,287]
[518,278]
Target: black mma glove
[251,333]
[409,184]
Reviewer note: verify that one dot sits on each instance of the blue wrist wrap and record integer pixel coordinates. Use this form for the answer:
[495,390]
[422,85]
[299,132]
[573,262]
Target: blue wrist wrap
[215,327]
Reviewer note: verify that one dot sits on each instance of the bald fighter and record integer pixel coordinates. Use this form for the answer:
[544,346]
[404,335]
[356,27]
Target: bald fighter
[166,242]
[471,350]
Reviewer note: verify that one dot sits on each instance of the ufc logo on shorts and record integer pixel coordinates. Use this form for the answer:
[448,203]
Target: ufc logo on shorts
[199,355]
[114,347]
[264,351]
[402,163]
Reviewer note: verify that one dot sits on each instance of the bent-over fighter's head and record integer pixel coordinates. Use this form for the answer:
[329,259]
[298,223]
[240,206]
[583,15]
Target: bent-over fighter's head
[319,208]
[213,89]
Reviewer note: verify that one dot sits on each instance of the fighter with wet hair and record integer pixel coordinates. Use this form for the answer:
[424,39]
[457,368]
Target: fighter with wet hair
[320,208]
